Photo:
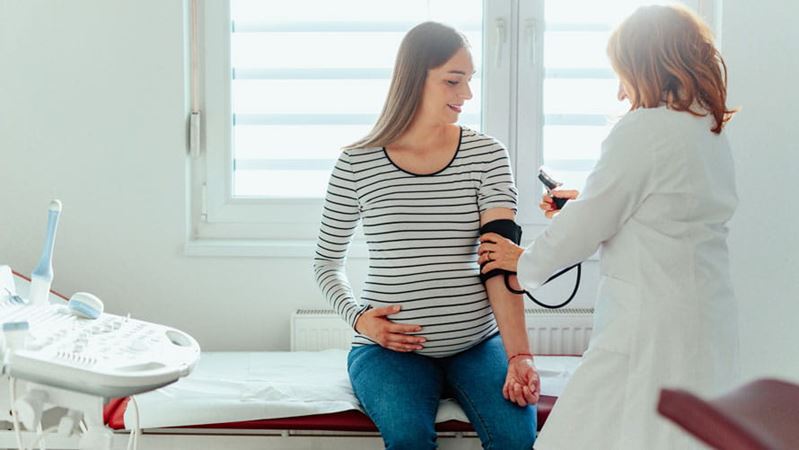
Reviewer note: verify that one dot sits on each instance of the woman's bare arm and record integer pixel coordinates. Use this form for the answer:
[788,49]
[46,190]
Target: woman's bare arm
[522,384]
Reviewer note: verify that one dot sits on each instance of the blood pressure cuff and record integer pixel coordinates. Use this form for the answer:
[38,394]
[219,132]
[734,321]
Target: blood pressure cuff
[507,229]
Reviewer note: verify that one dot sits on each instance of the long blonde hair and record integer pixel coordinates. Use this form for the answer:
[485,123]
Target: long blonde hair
[666,54]
[426,46]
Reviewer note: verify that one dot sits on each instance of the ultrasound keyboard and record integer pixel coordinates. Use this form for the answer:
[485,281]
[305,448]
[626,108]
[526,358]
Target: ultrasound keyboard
[111,356]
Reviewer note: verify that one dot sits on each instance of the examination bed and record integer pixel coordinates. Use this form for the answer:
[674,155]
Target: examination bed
[293,395]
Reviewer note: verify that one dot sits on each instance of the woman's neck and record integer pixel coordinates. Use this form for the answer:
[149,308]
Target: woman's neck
[421,134]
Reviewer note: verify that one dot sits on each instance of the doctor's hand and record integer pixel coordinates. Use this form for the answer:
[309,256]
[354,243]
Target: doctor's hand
[522,384]
[497,252]
[393,336]
[548,206]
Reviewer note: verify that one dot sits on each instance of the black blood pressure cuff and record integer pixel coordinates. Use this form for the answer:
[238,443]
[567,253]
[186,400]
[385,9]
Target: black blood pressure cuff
[507,229]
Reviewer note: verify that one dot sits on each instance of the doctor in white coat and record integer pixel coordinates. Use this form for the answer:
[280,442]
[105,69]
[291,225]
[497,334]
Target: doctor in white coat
[656,206]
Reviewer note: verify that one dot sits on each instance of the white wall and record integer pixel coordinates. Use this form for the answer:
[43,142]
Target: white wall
[93,109]
[761,46]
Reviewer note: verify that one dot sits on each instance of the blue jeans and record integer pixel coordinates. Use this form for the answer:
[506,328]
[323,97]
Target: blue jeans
[400,393]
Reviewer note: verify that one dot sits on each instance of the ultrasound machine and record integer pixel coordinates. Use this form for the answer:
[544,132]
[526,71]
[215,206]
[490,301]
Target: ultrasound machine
[74,356]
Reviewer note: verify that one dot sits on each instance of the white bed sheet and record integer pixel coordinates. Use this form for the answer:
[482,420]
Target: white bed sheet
[243,386]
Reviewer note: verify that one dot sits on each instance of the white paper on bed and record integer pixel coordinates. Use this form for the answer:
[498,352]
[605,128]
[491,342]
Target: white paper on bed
[242,386]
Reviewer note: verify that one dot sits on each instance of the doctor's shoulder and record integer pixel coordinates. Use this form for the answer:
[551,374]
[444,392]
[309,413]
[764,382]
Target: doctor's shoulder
[636,129]
[655,125]
[659,126]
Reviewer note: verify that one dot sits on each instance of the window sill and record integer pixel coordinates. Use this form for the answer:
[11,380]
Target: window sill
[261,248]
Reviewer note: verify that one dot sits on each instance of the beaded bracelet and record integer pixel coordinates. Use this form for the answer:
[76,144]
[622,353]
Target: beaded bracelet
[519,354]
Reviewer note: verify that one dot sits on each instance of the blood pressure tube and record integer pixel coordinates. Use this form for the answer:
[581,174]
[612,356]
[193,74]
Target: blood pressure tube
[42,275]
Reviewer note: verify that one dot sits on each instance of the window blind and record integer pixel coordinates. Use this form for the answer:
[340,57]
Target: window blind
[310,76]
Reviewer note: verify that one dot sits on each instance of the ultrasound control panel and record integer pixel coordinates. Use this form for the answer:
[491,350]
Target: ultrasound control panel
[110,356]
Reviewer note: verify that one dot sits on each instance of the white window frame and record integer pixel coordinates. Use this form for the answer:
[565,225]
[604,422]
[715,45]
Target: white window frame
[220,225]
[219,215]
[529,106]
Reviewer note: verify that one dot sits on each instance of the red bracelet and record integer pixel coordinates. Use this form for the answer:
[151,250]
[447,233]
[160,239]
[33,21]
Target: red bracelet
[519,354]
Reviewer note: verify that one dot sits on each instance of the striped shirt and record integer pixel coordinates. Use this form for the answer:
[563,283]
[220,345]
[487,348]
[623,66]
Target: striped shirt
[422,234]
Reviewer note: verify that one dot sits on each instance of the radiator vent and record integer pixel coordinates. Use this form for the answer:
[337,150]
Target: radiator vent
[314,312]
[559,331]
[319,329]
[551,332]
[558,312]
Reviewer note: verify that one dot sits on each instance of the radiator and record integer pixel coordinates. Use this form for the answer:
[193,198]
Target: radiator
[551,332]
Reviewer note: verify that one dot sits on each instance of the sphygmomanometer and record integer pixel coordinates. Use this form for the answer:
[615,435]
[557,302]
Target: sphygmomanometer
[510,230]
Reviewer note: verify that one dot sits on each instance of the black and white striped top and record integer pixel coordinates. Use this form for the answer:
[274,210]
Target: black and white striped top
[422,234]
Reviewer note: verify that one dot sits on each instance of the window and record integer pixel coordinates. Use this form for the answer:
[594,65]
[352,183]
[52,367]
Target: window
[566,90]
[286,84]
[310,76]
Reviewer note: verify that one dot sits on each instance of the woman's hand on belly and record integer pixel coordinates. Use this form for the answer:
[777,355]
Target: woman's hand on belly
[376,326]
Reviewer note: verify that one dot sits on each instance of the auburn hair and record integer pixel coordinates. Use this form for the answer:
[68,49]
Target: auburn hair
[665,54]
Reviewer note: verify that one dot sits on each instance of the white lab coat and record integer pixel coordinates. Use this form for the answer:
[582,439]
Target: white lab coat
[656,206]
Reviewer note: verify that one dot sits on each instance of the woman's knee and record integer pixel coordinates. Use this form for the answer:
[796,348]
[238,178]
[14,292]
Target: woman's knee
[410,436]
[512,428]
[519,440]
